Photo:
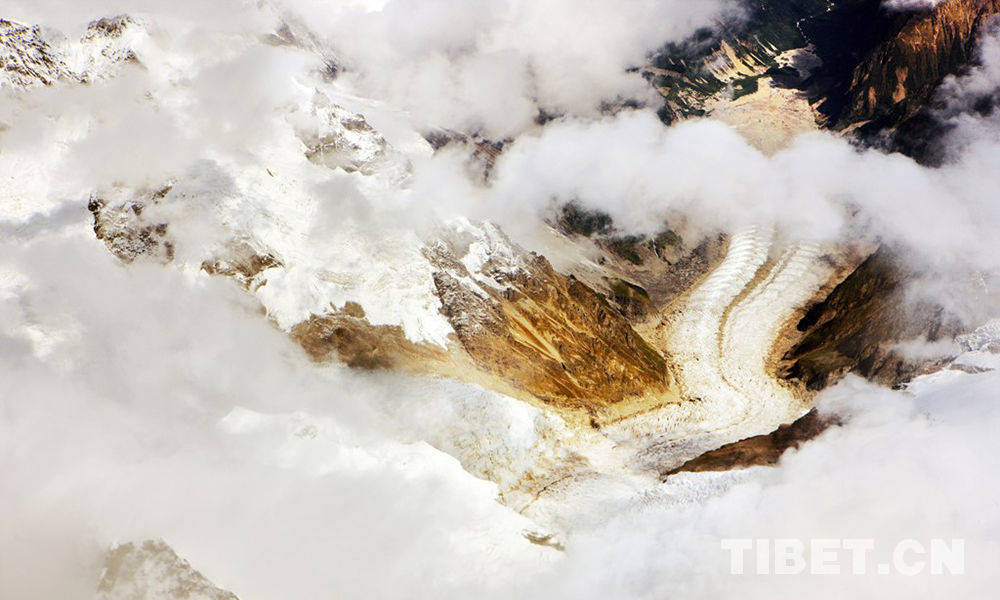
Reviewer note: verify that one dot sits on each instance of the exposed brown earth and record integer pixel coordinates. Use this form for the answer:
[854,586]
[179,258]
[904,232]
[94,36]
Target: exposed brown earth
[346,335]
[761,449]
[575,341]
[547,334]
[666,273]
[640,275]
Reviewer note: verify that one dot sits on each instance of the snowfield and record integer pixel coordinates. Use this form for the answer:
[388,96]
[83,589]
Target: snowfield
[161,434]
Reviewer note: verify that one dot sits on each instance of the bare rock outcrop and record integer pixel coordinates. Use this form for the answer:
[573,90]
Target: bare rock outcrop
[899,75]
[128,234]
[759,450]
[26,58]
[543,332]
[860,325]
[30,57]
[346,335]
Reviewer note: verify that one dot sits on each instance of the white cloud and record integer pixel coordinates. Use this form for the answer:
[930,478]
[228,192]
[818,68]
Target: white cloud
[491,66]
[911,5]
[174,411]
[141,401]
[905,467]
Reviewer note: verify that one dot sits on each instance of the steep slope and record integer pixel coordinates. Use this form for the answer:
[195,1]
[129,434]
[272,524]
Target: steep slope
[897,77]
[483,309]
[153,571]
[765,449]
[853,65]
[728,64]
[867,71]
[636,354]
[861,324]
[28,58]
[546,333]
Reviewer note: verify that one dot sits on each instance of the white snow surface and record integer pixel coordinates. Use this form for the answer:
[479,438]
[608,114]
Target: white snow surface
[340,236]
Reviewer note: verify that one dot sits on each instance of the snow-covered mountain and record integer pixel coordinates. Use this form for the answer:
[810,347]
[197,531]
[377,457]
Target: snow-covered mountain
[573,312]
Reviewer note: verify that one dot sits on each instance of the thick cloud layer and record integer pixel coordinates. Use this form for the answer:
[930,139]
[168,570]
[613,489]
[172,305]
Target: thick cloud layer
[141,401]
[140,404]
[907,466]
[492,66]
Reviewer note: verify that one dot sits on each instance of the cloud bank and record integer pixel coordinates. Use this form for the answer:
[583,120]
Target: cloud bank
[138,403]
[493,66]
[141,402]
[911,5]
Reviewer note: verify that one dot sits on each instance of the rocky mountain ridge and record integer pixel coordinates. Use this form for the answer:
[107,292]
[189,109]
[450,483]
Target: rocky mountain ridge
[29,57]
[640,353]
[564,341]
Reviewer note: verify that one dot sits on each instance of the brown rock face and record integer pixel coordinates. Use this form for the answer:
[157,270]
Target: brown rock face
[858,326]
[761,449]
[899,75]
[545,333]
[346,335]
[126,227]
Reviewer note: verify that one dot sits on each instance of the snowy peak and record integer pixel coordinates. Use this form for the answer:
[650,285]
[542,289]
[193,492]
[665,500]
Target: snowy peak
[107,44]
[26,58]
[30,57]
[152,570]
[341,139]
